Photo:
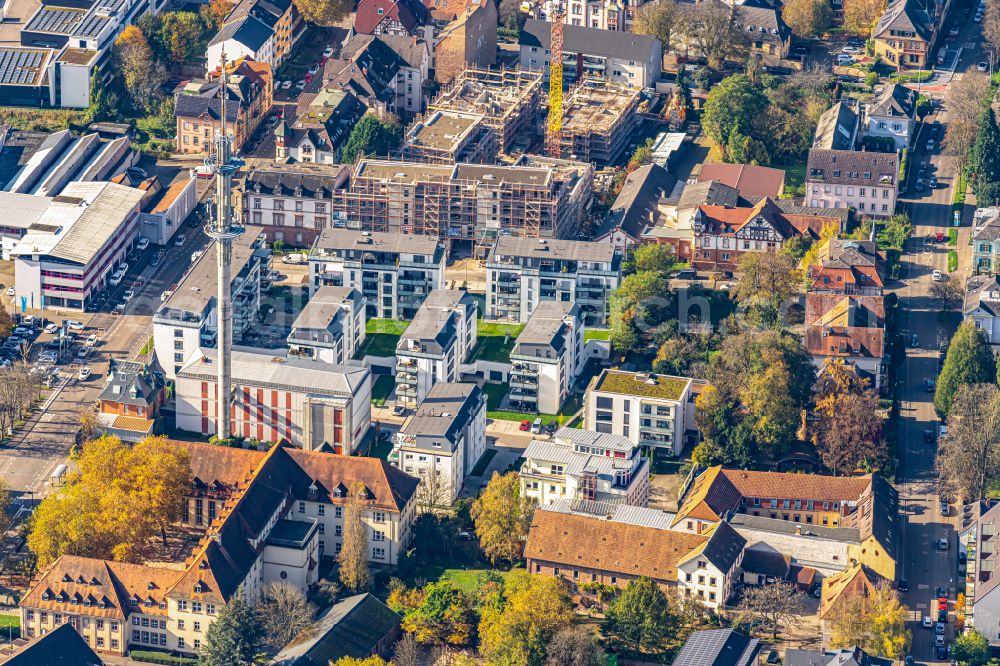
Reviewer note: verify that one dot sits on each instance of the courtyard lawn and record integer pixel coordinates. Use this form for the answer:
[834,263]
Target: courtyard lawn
[382,389]
[596,334]
[491,344]
[466,579]
[10,627]
[381,336]
[495,392]
[795,181]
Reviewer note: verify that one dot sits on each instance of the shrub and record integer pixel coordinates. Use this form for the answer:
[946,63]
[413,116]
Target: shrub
[952,261]
[151,657]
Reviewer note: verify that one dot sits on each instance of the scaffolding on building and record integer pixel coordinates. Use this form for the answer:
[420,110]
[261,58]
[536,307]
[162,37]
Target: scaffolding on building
[599,118]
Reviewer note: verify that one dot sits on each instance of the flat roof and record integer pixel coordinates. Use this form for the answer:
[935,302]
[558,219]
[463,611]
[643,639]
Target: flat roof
[433,316]
[22,210]
[322,308]
[80,221]
[489,174]
[789,527]
[197,289]
[644,384]
[411,172]
[550,248]
[55,19]
[23,66]
[74,56]
[443,130]
[593,108]
[404,172]
[374,241]
[545,322]
[436,416]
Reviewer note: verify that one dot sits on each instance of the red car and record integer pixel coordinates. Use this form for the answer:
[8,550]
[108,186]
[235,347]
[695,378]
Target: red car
[942,605]
[525,426]
[939,237]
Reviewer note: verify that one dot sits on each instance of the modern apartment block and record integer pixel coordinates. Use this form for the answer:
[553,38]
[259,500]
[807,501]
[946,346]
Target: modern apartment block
[188,319]
[599,121]
[437,341]
[523,272]
[310,404]
[547,358]
[585,465]
[978,542]
[445,438]
[331,327]
[466,202]
[395,272]
[651,410]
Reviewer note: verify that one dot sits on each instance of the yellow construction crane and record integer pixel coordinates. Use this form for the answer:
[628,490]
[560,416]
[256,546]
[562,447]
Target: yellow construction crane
[554,136]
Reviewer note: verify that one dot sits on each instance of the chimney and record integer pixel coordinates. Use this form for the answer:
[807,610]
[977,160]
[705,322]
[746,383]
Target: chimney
[798,530]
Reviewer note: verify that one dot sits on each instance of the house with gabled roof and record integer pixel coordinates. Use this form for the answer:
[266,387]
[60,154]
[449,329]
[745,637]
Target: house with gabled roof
[986,241]
[905,33]
[60,647]
[837,128]
[271,516]
[323,123]
[892,114]
[982,306]
[767,34]
[406,18]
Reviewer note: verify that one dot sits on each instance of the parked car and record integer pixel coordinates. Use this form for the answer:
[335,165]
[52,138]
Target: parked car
[929,385]
[903,586]
[128,296]
[142,244]
[928,622]
[525,426]
[937,276]
[928,436]
[179,241]
[75,325]
[11,291]
[930,145]
[914,340]
[286,84]
[92,340]
[942,544]
[84,373]
[939,237]
[536,426]
[328,52]
[399,410]
[116,278]
[850,49]
[51,328]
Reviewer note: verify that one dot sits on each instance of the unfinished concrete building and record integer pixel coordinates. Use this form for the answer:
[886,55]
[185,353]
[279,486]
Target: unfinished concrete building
[508,99]
[466,202]
[447,137]
[599,119]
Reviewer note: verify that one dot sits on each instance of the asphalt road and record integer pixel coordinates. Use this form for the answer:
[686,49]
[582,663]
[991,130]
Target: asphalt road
[925,565]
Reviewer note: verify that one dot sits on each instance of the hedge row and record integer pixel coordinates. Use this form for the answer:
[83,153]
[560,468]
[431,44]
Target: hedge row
[151,657]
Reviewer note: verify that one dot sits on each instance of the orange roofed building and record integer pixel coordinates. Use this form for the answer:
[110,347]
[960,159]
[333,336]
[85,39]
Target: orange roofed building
[269,516]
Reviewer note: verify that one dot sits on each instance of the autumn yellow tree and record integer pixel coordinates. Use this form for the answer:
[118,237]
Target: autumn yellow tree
[140,73]
[502,518]
[324,12]
[120,498]
[517,632]
[860,15]
[353,557]
[847,429]
[876,623]
[215,12]
[807,18]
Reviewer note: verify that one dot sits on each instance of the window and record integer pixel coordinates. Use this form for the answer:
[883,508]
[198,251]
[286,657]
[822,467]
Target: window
[197,626]
[182,604]
[338,512]
[379,516]
[180,624]
[180,642]
[378,553]
[321,509]
[302,507]
[195,606]
[210,609]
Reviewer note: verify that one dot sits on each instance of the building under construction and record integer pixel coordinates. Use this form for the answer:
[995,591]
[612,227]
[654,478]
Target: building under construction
[599,119]
[536,198]
[508,99]
[447,137]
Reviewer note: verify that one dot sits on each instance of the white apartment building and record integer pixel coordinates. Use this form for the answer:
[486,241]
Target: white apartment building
[709,571]
[585,465]
[893,115]
[867,182]
[651,410]
[439,339]
[72,246]
[188,318]
[311,404]
[445,438]
[602,14]
[331,327]
[522,272]
[394,271]
[547,358]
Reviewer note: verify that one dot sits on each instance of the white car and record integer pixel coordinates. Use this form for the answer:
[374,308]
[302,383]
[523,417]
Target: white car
[92,340]
[285,85]
[128,296]
[982,66]
[179,241]
[937,276]
[124,268]
[11,291]
[850,49]
[313,69]
[928,623]
[84,372]
[48,357]
[327,52]
[845,59]
[51,328]
[75,325]
[116,278]
[942,544]
[142,244]
[300,84]
[83,353]
[978,18]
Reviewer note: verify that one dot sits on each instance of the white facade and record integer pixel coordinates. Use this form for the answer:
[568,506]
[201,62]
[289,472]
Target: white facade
[699,578]
[439,339]
[580,464]
[982,306]
[892,127]
[547,358]
[655,415]
[236,49]
[872,201]
[603,14]
[160,224]
[311,404]
[331,328]
[445,438]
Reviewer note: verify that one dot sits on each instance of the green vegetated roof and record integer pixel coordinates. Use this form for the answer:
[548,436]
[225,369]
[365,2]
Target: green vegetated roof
[665,386]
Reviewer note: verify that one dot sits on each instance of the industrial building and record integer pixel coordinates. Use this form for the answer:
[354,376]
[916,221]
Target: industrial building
[467,202]
[394,272]
[599,119]
[446,137]
[47,165]
[508,99]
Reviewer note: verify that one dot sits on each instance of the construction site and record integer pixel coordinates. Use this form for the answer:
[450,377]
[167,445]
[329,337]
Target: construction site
[508,99]
[446,137]
[467,203]
[598,121]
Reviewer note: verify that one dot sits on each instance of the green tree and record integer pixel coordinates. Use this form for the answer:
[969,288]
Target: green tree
[517,632]
[664,20]
[731,107]
[502,517]
[640,620]
[634,308]
[984,161]
[924,107]
[796,247]
[437,614]
[807,18]
[894,233]
[236,637]
[766,277]
[371,136]
[181,35]
[653,257]
[971,648]
[324,12]
[968,457]
[969,361]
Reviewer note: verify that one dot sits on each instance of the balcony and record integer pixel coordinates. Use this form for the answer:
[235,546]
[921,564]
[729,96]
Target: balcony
[522,369]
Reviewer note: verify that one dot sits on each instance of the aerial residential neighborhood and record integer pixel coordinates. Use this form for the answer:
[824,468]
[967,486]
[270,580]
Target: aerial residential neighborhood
[499,332]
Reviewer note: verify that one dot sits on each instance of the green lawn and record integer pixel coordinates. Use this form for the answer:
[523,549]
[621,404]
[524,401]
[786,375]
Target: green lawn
[491,345]
[795,181]
[382,389]
[381,336]
[466,579]
[953,236]
[496,393]
[952,261]
[596,334]
[10,627]
[914,76]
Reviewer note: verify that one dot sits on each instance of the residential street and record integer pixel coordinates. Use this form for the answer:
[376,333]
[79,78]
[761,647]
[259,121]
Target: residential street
[925,566]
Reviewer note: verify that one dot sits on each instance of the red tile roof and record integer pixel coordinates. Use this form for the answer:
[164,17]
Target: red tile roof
[750,180]
[410,13]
